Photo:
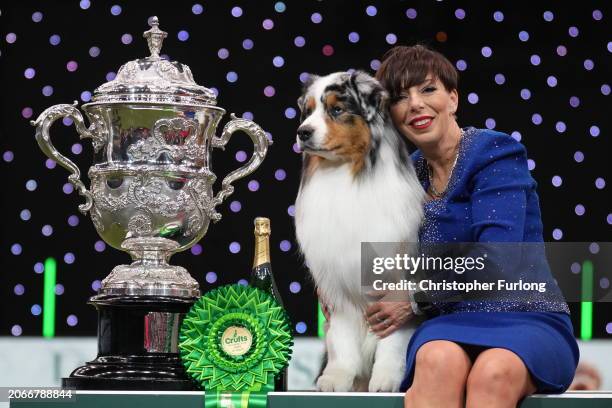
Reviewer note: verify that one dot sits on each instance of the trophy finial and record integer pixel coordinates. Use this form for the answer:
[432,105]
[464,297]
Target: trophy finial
[155,37]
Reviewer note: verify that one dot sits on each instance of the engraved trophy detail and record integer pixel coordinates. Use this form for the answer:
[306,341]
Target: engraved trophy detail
[153,129]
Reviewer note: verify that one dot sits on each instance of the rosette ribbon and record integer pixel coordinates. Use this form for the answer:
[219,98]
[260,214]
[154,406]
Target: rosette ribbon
[233,342]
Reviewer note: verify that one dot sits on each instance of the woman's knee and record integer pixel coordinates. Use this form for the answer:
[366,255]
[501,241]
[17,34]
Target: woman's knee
[499,372]
[444,360]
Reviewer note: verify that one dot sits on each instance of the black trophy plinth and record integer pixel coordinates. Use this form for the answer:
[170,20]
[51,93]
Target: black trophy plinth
[137,346]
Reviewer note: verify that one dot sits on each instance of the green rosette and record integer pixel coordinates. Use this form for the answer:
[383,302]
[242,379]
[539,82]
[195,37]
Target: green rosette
[236,339]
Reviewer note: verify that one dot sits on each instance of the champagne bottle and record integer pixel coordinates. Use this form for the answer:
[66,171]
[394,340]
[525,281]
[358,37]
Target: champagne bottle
[262,278]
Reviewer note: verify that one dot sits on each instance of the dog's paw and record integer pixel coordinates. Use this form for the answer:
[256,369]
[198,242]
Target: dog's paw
[335,380]
[385,380]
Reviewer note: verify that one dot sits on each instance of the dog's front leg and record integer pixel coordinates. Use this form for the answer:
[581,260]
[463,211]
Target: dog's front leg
[344,356]
[390,361]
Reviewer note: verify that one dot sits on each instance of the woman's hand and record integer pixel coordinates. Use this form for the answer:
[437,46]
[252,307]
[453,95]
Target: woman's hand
[387,315]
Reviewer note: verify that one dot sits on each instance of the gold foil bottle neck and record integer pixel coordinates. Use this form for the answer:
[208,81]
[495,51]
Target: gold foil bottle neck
[262,226]
[262,241]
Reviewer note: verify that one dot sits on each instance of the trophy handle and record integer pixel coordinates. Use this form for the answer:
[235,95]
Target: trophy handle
[260,142]
[43,123]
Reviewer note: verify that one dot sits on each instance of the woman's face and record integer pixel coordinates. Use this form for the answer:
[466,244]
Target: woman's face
[426,112]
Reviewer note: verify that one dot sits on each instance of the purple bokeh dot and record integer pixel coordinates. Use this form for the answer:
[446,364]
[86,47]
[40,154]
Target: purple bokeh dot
[11,38]
[557,181]
[523,36]
[285,245]
[391,38]
[37,16]
[29,73]
[27,112]
[67,188]
[241,156]
[67,121]
[278,61]
[578,156]
[236,11]
[579,209]
[50,164]
[183,35]
[69,258]
[16,330]
[531,164]
[536,119]
[290,113]
[500,79]
[597,15]
[55,39]
[575,268]
[371,11]
[211,277]
[59,289]
[110,76]
[235,206]
[472,98]
[573,31]
[299,41]
[19,289]
[560,126]
[594,248]
[99,246]
[589,64]
[594,131]
[25,214]
[31,185]
[557,234]
[36,310]
[411,13]
[269,91]
[600,183]
[280,7]
[551,81]
[72,320]
[77,148]
[525,93]
[574,101]
[115,10]
[73,220]
[84,4]
[16,249]
[248,44]
[461,65]
[280,174]
[47,90]
[486,51]
[604,283]
[296,148]
[8,156]
[96,285]
[353,37]
[196,249]
[295,287]
[498,16]
[243,282]
[316,18]
[516,135]
[223,53]
[126,38]
[39,267]
[301,327]
[231,77]
[197,9]
[460,14]
[548,16]
[234,247]
[375,64]
[535,59]
[609,218]
[253,185]
[72,66]
[490,123]
[561,51]
[85,97]
[267,24]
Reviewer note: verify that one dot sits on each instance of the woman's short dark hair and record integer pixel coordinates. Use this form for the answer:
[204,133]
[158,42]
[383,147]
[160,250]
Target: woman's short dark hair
[406,66]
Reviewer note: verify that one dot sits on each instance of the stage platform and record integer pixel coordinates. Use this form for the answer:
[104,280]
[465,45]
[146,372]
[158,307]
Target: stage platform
[152,399]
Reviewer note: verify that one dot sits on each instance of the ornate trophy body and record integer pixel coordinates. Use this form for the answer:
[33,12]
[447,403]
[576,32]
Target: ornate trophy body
[152,129]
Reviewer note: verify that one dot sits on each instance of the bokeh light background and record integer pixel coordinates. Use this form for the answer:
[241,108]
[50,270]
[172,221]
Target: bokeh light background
[536,70]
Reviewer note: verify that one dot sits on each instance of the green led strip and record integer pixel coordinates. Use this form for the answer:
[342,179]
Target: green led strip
[50,275]
[586,306]
[320,321]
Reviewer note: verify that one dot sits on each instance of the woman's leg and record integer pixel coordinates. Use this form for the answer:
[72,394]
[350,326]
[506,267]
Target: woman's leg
[498,378]
[440,375]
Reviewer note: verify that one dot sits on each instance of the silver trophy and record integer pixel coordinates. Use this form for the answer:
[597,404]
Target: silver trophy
[153,129]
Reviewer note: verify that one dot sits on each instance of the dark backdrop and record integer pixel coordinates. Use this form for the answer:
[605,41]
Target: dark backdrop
[548,87]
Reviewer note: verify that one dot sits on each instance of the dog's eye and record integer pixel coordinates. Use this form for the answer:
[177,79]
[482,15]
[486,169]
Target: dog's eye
[336,110]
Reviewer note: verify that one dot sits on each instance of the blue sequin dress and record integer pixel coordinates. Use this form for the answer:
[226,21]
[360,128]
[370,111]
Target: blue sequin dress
[491,197]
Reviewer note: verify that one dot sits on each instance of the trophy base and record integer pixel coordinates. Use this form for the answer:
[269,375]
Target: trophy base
[138,340]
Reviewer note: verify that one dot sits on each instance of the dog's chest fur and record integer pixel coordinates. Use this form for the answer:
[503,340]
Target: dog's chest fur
[335,212]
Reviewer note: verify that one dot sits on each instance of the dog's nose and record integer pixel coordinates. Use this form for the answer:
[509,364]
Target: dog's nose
[305,133]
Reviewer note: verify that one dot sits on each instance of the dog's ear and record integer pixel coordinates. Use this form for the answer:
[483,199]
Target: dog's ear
[372,97]
[309,81]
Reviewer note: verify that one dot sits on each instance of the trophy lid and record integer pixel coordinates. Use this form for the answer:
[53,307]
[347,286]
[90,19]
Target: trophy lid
[153,79]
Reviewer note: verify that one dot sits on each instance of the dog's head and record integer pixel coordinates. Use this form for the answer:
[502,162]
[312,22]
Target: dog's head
[338,113]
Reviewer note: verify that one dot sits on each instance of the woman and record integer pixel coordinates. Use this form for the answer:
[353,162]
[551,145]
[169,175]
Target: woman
[479,190]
